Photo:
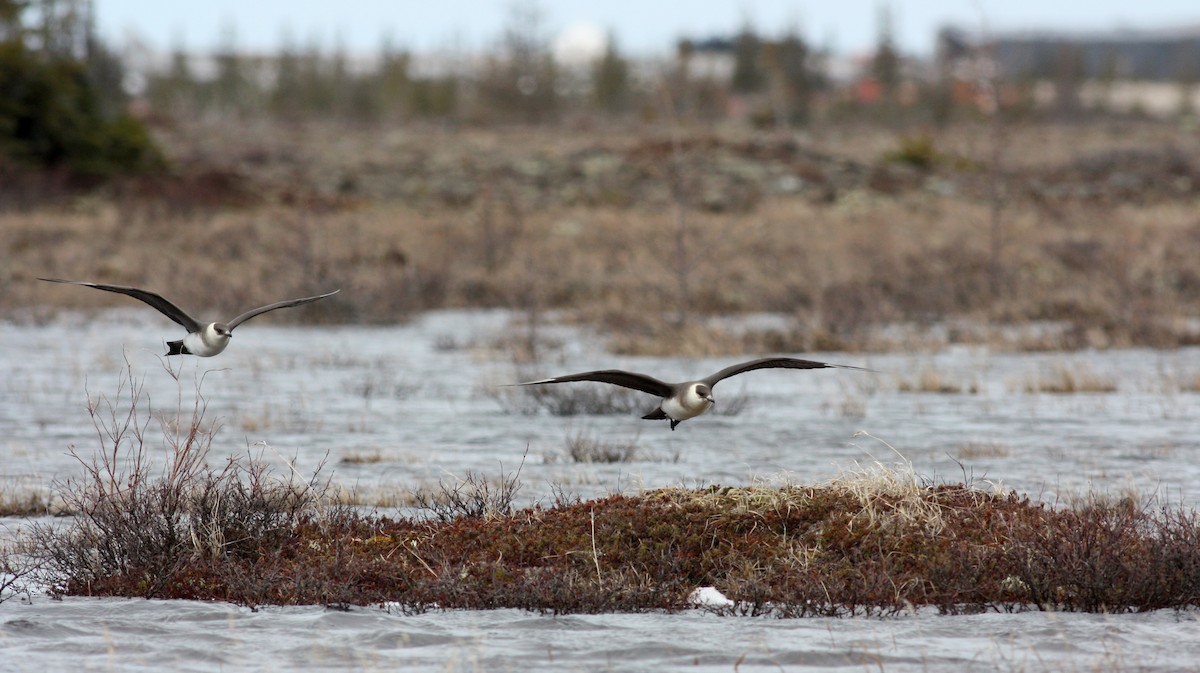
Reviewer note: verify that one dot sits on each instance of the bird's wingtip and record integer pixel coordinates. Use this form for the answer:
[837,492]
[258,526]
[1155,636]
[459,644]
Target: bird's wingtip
[528,383]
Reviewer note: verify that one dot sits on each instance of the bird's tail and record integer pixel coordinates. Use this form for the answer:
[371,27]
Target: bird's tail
[660,415]
[176,348]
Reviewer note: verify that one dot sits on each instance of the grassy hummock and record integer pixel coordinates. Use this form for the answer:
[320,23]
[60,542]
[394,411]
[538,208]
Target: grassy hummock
[872,543]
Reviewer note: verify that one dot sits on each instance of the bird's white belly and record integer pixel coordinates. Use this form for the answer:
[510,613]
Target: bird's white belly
[680,411]
[197,345]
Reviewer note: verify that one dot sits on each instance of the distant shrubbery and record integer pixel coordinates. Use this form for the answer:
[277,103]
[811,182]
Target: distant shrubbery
[55,113]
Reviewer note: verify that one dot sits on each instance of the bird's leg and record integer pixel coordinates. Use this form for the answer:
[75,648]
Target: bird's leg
[674,423]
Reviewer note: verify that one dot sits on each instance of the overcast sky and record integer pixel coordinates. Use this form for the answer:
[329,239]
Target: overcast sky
[642,27]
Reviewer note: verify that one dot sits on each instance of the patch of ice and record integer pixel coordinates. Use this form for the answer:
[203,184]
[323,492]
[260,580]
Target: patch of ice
[709,597]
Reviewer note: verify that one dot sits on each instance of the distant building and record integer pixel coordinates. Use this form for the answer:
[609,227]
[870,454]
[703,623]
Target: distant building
[711,58]
[1156,56]
[1154,72]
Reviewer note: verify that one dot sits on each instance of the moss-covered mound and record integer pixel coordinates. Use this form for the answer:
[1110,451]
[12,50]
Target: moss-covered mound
[871,544]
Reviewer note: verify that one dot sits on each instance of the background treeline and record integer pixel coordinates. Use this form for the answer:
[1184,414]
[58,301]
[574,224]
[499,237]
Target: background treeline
[518,82]
[67,100]
[767,80]
[774,79]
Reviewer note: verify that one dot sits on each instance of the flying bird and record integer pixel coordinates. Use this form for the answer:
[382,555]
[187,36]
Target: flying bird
[202,340]
[681,401]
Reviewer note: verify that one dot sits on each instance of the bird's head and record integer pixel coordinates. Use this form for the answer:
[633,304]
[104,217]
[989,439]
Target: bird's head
[704,392]
[222,330]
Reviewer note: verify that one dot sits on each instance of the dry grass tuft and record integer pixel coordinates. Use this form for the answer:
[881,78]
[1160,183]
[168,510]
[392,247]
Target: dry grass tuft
[890,496]
[472,496]
[1190,385]
[355,458]
[28,500]
[376,497]
[931,380]
[1065,380]
[981,450]
[847,406]
[582,448]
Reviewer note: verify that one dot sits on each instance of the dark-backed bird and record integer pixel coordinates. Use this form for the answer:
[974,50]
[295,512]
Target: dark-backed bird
[681,401]
[202,340]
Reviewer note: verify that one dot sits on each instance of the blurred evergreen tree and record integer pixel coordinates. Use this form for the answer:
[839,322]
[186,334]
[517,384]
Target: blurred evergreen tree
[339,85]
[174,91]
[287,95]
[610,79]
[233,90]
[793,78]
[520,84]
[61,104]
[940,93]
[1068,81]
[433,97]
[1107,77]
[1187,71]
[678,85]
[318,90]
[391,81]
[885,67]
[748,75]
[361,102]
[10,18]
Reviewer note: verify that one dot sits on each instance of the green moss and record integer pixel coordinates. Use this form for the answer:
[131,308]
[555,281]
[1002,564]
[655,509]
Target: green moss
[917,151]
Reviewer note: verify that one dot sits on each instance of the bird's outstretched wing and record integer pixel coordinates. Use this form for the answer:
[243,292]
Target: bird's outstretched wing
[769,363]
[156,300]
[617,377]
[271,307]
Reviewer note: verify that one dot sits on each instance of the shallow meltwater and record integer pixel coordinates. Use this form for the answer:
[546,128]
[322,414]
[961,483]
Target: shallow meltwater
[382,411]
[150,635]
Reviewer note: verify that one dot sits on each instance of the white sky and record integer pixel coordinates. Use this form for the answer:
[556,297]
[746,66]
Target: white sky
[642,27]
